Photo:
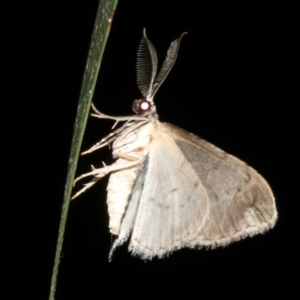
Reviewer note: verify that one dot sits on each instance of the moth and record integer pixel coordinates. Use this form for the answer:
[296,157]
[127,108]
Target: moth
[170,189]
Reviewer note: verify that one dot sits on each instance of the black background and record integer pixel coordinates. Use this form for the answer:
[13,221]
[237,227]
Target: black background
[234,84]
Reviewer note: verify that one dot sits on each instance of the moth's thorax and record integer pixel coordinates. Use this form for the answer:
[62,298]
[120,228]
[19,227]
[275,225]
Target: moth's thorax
[136,141]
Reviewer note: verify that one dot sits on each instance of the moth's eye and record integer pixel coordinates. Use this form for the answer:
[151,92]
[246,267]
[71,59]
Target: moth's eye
[141,106]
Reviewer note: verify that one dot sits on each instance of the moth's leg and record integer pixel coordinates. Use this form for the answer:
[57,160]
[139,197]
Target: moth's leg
[126,156]
[97,146]
[101,172]
[100,115]
[109,139]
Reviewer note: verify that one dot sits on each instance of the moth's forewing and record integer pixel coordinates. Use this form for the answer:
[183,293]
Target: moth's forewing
[174,206]
[171,205]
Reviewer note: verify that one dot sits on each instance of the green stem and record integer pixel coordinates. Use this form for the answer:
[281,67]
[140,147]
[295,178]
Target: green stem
[101,31]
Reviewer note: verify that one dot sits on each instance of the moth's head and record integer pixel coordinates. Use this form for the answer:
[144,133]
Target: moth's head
[142,106]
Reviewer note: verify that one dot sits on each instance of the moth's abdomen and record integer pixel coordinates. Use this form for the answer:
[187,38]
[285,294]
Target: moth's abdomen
[118,192]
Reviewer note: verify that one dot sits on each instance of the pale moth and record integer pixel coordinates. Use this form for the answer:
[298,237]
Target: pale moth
[169,189]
